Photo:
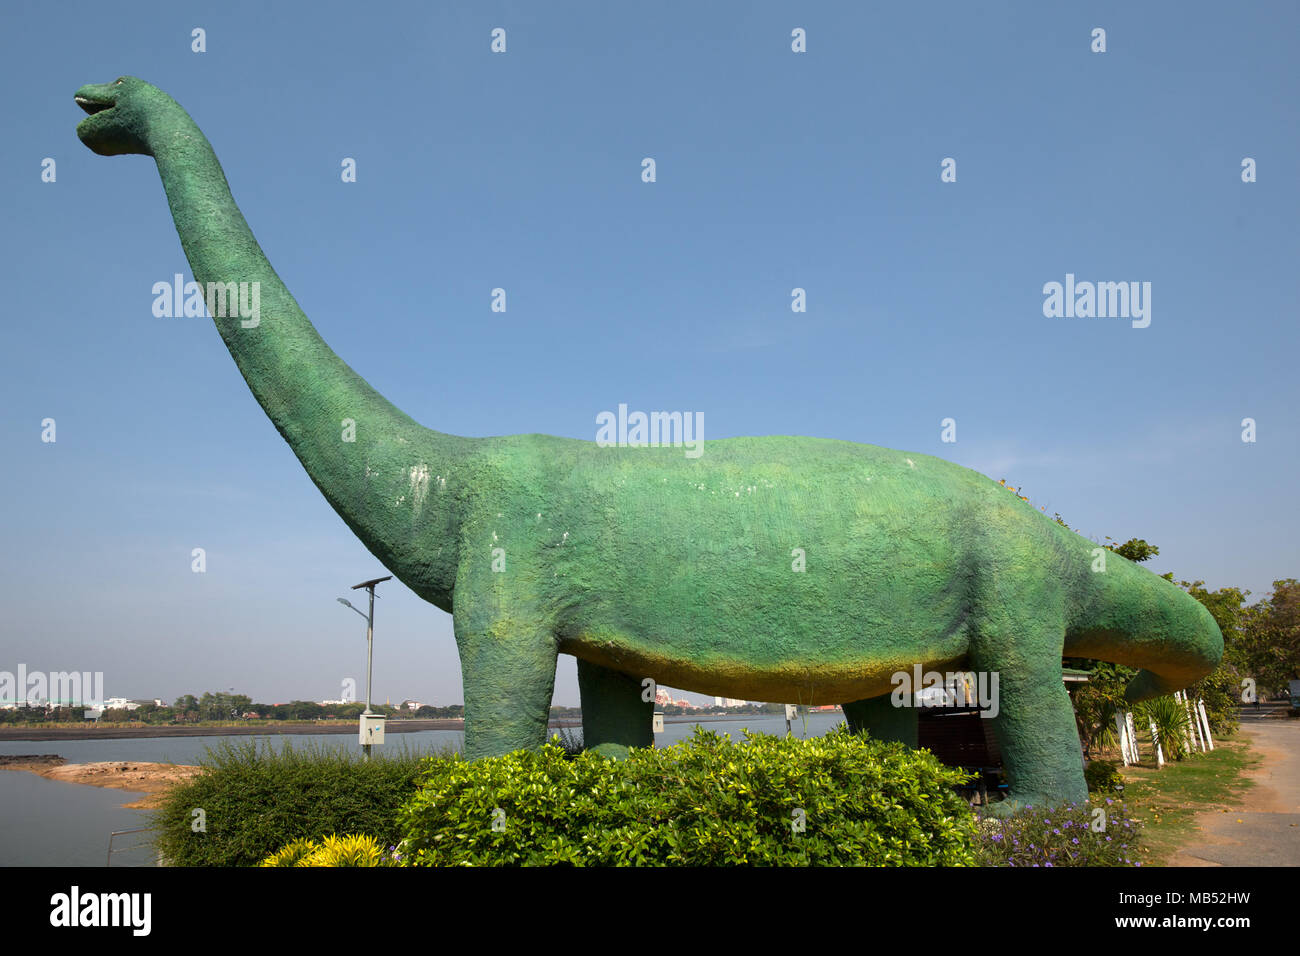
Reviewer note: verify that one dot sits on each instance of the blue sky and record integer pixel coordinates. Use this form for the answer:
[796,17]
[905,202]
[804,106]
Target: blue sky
[522,170]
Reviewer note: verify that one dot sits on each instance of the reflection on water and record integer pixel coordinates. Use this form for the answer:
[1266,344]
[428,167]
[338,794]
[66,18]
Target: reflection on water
[51,823]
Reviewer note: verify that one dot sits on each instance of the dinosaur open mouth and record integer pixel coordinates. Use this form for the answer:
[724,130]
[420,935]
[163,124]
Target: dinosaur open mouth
[92,106]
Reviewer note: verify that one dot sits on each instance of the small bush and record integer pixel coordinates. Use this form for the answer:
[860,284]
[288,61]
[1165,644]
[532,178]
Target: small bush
[1171,725]
[1072,835]
[291,854]
[333,851]
[569,740]
[1102,776]
[706,801]
[256,802]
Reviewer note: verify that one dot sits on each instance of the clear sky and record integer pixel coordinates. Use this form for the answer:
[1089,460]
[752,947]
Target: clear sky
[522,170]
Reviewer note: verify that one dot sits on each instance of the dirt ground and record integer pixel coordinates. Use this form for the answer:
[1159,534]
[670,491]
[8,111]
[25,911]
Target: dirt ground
[1264,830]
[151,779]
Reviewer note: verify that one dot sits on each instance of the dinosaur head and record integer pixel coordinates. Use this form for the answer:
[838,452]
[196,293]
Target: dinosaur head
[120,114]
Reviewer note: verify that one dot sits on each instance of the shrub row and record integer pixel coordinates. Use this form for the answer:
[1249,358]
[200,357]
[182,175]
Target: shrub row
[254,802]
[840,799]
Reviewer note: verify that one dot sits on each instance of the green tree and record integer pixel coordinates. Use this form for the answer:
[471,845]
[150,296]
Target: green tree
[1269,646]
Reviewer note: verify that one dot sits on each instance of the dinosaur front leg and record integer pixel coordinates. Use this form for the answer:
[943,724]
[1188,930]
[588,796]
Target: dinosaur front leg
[508,674]
[880,718]
[1035,725]
[614,717]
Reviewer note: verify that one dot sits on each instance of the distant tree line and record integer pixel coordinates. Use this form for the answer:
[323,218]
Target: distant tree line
[219,706]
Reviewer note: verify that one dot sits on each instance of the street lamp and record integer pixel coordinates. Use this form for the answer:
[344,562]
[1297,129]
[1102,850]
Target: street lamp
[369,722]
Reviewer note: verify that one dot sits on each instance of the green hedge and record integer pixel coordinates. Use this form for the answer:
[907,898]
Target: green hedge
[255,802]
[707,801]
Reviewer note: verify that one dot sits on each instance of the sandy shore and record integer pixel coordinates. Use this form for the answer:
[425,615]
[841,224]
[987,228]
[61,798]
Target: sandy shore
[151,779]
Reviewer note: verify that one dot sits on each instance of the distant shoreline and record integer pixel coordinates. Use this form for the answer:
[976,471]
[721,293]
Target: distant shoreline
[253,730]
[298,728]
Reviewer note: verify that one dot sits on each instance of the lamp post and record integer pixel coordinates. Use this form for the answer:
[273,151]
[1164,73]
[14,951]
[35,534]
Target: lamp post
[368,726]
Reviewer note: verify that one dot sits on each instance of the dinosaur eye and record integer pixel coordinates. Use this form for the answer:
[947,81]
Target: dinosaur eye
[118,82]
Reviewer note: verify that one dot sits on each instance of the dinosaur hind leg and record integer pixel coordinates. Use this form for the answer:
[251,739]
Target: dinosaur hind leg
[614,717]
[880,718]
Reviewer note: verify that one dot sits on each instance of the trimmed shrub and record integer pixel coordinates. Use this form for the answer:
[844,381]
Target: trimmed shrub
[1072,835]
[1102,776]
[256,802]
[841,799]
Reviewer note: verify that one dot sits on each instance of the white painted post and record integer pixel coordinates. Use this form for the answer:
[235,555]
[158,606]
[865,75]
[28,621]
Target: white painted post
[1123,737]
[1187,722]
[1132,737]
[1155,739]
[1205,719]
[1195,721]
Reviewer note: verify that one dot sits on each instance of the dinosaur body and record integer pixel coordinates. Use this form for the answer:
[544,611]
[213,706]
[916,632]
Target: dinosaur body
[779,568]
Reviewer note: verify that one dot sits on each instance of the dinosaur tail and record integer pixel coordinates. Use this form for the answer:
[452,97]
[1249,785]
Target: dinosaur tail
[1130,616]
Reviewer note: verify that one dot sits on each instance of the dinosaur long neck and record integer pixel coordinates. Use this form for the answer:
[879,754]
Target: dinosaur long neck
[394,482]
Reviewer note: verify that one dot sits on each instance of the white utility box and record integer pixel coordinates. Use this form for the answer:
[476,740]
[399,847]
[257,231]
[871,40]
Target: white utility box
[372,728]
[658,725]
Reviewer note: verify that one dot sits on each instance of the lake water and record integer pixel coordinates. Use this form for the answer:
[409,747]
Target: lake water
[51,823]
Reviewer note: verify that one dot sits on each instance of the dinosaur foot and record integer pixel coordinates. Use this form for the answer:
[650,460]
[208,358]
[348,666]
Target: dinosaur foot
[1017,803]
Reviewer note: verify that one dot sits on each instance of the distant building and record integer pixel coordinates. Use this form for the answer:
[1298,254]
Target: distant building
[663,698]
[410,705]
[121,703]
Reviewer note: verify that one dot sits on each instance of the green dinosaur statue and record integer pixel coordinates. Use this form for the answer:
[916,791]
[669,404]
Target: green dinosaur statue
[779,568]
